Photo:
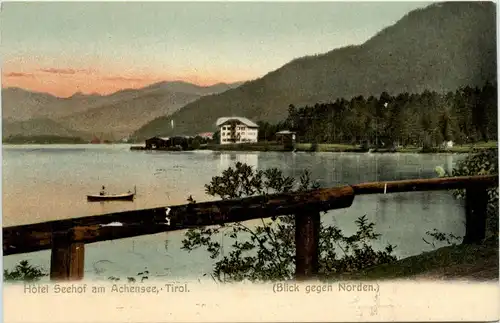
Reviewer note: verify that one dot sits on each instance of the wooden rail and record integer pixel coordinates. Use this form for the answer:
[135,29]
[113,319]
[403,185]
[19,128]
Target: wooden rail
[67,238]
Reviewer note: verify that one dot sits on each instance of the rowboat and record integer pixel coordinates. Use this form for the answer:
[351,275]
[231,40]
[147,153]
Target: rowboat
[111,197]
[129,196]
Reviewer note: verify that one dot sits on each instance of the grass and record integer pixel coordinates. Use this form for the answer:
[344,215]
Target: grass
[471,262]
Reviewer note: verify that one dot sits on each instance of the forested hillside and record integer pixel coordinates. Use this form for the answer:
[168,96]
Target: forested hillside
[426,119]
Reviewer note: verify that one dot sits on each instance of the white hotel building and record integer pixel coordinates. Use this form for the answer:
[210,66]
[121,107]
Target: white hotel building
[237,130]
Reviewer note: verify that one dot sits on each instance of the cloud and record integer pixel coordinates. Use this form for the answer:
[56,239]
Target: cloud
[18,74]
[62,70]
[124,79]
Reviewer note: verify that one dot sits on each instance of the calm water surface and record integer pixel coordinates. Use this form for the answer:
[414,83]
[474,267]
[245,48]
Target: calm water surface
[42,183]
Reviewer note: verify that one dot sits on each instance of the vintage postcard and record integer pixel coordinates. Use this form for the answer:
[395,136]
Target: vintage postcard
[249,161]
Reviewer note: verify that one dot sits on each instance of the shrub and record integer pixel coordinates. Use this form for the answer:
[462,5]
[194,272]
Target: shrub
[266,252]
[480,162]
[24,272]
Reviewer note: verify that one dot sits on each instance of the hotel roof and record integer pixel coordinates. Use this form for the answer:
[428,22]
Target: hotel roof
[245,121]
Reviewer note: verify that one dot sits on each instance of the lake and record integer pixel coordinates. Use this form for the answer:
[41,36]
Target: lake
[48,182]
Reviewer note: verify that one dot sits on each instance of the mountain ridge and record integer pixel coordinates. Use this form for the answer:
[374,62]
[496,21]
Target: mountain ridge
[95,94]
[440,47]
[115,115]
[40,127]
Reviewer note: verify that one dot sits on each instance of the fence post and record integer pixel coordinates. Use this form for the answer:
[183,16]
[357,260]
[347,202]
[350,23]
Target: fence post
[476,205]
[307,225]
[67,257]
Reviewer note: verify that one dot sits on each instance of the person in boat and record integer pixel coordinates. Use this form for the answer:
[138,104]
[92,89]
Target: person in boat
[103,191]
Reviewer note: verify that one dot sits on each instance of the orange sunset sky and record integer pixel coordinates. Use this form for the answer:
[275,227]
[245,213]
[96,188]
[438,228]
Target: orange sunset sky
[102,47]
[65,81]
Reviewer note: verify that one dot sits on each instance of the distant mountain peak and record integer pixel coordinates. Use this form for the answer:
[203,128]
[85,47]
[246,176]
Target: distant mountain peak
[187,87]
[117,114]
[77,94]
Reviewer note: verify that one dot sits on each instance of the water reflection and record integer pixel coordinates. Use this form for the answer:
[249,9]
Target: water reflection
[352,168]
[449,164]
[230,159]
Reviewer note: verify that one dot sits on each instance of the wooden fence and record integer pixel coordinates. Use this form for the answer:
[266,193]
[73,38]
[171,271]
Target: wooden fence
[67,238]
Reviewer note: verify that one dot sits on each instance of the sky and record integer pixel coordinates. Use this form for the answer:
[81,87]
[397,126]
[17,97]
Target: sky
[102,47]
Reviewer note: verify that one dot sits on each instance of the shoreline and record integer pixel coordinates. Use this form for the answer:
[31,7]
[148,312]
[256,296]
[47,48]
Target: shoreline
[332,148]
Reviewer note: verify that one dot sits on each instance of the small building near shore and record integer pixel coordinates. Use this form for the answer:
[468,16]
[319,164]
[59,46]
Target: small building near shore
[169,143]
[95,140]
[157,143]
[183,142]
[286,137]
[206,135]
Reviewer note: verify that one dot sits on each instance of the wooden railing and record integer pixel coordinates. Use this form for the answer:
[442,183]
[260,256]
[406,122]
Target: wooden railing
[67,238]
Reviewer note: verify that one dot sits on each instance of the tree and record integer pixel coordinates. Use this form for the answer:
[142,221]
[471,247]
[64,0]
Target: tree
[445,126]
[196,143]
[266,252]
[216,137]
[428,118]
[481,162]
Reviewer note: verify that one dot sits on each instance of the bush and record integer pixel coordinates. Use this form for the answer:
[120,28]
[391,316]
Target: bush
[267,252]
[196,144]
[24,272]
[480,162]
